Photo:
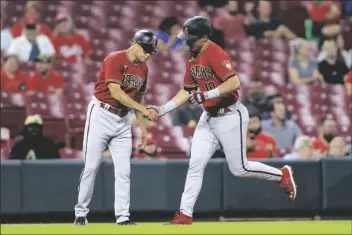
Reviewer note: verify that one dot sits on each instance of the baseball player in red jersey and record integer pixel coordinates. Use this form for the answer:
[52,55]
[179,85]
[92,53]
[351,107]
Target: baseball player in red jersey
[224,121]
[120,87]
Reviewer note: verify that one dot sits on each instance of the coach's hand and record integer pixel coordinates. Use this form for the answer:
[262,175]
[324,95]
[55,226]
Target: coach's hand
[150,114]
[198,97]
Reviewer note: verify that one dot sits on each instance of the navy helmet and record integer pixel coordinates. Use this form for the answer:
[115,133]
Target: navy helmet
[195,28]
[147,40]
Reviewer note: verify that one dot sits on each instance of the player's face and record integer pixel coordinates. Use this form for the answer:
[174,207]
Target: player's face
[141,54]
[11,65]
[195,45]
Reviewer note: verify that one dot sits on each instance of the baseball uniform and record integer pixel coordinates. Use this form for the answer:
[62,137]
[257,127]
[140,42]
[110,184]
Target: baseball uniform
[107,124]
[223,123]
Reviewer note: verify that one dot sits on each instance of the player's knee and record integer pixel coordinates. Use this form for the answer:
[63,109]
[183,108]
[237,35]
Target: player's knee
[196,166]
[238,171]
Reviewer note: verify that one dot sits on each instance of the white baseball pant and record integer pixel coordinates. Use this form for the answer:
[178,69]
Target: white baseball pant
[229,131]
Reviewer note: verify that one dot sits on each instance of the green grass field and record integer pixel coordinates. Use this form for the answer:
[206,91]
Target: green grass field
[267,227]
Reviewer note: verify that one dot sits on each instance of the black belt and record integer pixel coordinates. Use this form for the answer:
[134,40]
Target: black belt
[119,112]
[217,112]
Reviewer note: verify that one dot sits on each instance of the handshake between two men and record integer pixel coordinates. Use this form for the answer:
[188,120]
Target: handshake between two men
[153,112]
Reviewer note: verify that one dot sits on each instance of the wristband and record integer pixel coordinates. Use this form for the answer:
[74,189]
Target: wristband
[213,93]
[169,106]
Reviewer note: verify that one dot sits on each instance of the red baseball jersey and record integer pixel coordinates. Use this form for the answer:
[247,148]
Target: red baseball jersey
[209,69]
[118,68]
[71,48]
[52,81]
[13,84]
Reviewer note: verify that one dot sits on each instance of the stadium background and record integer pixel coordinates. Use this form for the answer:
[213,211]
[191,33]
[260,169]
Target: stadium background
[109,26]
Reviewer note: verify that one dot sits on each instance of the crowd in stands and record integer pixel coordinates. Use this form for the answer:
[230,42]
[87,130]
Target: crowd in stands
[34,51]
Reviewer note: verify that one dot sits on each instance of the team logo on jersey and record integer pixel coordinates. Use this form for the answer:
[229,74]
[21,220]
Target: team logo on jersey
[201,72]
[226,63]
[132,81]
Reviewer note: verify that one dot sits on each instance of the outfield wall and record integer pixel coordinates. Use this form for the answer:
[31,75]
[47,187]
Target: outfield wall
[50,187]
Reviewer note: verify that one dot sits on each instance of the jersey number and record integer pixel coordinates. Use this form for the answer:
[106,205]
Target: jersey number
[209,86]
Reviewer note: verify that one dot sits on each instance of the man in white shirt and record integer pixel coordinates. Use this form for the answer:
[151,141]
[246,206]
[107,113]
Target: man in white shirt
[31,44]
[302,150]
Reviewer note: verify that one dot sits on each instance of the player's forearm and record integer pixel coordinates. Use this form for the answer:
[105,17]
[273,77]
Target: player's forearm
[139,116]
[124,99]
[179,99]
[230,85]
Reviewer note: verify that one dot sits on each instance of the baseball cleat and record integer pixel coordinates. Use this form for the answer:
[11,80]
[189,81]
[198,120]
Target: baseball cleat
[287,182]
[181,218]
[80,221]
[126,222]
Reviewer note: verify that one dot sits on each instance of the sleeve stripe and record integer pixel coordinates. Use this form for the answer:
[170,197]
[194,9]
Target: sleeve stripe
[112,81]
[227,76]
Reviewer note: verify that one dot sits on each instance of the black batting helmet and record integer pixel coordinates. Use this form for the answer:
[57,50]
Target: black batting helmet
[147,40]
[195,28]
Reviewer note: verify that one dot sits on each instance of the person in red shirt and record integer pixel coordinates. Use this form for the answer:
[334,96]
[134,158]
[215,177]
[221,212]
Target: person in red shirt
[211,80]
[348,84]
[327,132]
[30,14]
[259,144]
[149,151]
[45,79]
[13,80]
[70,46]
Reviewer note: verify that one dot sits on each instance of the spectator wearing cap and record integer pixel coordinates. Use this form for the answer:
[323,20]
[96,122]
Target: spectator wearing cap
[302,149]
[338,147]
[34,145]
[285,131]
[31,14]
[167,34]
[70,46]
[13,80]
[327,131]
[149,151]
[259,143]
[45,79]
[31,44]
[348,83]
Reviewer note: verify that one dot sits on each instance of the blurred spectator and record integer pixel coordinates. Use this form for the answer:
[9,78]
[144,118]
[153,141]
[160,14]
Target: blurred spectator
[325,17]
[257,101]
[167,34]
[346,8]
[302,149]
[70,46]
[31,14]
[5,143]
[333,67]
[338,147]
[285,131]
[212,3]
[34,145]
[346,55]
[45,79]
[13,80]
[230,24]
[348,84]
[150,151]
[267,26]
[302,68]
[187,115]
[31,43]
[217,35]
[6,35]
[259,144]
[326,133]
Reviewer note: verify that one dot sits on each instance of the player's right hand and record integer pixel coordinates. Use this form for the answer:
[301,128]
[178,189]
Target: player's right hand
[150,114]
